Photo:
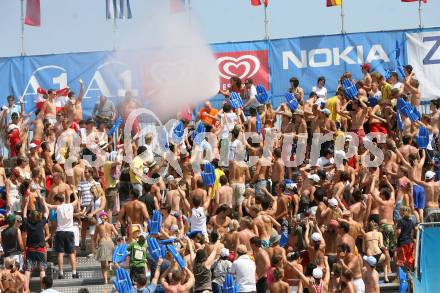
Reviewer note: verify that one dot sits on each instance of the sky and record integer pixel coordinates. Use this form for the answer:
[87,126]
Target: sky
[80,25]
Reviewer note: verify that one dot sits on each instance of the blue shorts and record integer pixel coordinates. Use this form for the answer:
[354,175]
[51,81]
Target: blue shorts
[265,244]
[52,215]
[419,197]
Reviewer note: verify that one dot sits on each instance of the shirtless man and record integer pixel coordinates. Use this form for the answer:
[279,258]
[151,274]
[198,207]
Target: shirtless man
[261,175]
[344,236]
[168,220]
[262,263]
[199,191]
[78,172]
[279,286]
[264,223]
[252,120]
[277,168]
[435,116]
[411,87]
[220,222]
[38,130]
[224,193]
[386,200]
[432,191]
[73,107]
[350,261]
[173,196]
[358,116]
[367,77]
[330,236]
[46,155]
[49,108]
[59,187]
[238,175]
[282,211]
[407,149]
[103,240]
[134,212]
[370,275]
[11,279]
[245,233]
[177,283]
[358,208]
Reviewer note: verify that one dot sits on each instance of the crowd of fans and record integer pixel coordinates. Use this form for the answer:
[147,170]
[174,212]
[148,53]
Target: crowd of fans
[325,225]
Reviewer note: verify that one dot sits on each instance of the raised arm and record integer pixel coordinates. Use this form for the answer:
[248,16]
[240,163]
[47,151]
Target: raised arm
[81,91]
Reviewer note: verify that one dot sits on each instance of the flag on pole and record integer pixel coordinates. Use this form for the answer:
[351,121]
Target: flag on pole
[177,6]
[118,9]
[423,1]
[33,15]
[331,3]
[258,2]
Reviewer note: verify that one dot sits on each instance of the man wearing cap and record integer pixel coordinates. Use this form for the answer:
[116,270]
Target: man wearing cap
[137,250]
[244,270]
[104,243]
[431,190]
[318,282]
[370,275]
[134,212]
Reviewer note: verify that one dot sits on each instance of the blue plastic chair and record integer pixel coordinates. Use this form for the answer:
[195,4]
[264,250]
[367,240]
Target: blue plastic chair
[399,121]
[120,253]
[229,285]
[422,139]
[155,223]
[199,133]
[180,261]
[208,174]
[115,126]
[122,281]
[258,123]
[350,88]
[291,102]
[163,139]
[154,248]
[235,100]
[178,133]
[262,96]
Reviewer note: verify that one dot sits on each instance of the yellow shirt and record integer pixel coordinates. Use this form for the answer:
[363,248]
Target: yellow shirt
[109,180]
[136,167]
[218,174]
[331,104]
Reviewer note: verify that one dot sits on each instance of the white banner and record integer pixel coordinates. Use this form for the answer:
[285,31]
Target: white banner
[424,56]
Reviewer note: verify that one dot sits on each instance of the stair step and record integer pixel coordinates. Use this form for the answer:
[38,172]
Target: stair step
[91,288]
[35,283]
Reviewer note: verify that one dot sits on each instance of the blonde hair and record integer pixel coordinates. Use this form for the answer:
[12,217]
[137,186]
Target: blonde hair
[405,212]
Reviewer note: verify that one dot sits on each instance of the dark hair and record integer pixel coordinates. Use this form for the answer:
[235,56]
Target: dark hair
[47,282]
[50,91]
[406,139]
[344,247]
[344,226]
[197,201]
[265,202]
[223,180]
[386,192]
[176,275]
[237,80]
[253,111]
[166,207]
[200,256]
[227,108]
[348,275]
[222,208]
[235,132]
[277,153]
[58,198]
[141,149]
[319,194]
[295,81]
[141,280]
[321,78]
[357,195]
[255,241]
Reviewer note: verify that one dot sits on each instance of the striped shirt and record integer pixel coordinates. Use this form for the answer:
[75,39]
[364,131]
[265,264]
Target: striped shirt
[86,195]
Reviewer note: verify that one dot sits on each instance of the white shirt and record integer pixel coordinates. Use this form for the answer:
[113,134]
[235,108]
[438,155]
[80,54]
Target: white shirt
[244,269]
[234,148]
[323,161]
[321,92]
[50,290]
[398,85]
[228,120]
[251,94]
[197,220]
[65,217]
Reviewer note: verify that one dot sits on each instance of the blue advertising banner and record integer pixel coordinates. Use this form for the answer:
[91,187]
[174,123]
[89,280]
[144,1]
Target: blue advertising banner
[309,58]
[270,63]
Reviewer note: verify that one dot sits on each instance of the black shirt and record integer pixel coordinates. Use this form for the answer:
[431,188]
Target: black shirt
[10,241]
[35,233]
[406,227]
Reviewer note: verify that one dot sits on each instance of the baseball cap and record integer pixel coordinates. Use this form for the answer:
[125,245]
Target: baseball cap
[317,273]
[316,237]
[333,202]
[32,145]
[326,111]
[366,66]
[314,177]
[333,224]
[429,175]
[370,260]
[224,252]
[135,229]
[103,214]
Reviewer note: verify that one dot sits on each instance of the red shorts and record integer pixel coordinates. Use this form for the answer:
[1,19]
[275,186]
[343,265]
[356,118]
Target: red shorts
[360,133]
[377,127]
[405,255]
